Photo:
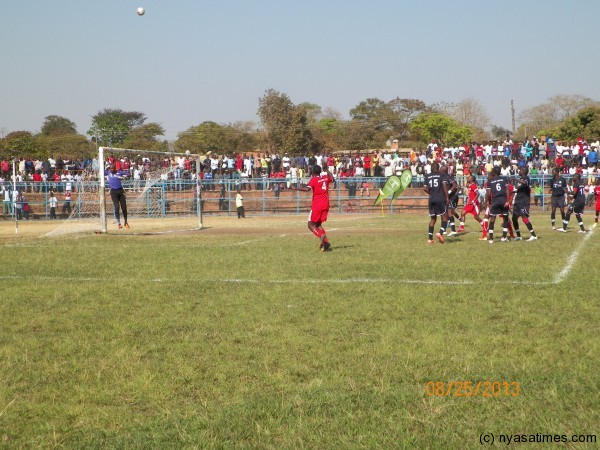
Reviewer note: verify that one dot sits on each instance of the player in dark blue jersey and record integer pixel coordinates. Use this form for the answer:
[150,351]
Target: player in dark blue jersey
[558,189]
[453,195]
[522,202]
[498,198]
[578,195]
[437,187]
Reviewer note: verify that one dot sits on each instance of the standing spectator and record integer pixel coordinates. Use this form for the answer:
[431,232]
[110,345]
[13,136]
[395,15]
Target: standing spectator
[53,202]
[6,203]
[67,204]
[239,204]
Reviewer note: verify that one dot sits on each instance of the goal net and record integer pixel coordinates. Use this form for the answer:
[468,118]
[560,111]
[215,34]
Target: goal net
[161,191]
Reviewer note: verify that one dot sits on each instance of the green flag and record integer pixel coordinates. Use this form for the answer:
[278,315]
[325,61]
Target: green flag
[405,180]
[392,184]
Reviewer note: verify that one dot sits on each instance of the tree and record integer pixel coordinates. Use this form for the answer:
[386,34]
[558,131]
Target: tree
[71,146]
[438,126]
[546,117]
[500,133]
[54,125]
[238,137]
[110,127]
[21,144]
[286,124]
[470,112]
[585,123]
[145,137]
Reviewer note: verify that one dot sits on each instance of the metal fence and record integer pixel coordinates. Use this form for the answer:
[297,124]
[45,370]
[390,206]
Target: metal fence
[262,196]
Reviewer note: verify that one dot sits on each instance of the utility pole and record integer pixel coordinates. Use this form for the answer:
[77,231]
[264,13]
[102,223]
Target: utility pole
[512,110]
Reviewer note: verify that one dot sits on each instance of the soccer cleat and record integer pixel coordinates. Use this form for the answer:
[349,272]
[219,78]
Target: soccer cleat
[483,238]
[490,241]
[532,238]
[430,241]
[595,225]
[562,230]
[120,226]
[518,238]
[553,227]
[505,239]
[440,238]
[582,231]
[127,226]
[326,247]
[452,233]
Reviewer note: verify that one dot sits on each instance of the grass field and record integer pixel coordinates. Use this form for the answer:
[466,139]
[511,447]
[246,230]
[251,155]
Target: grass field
[244,335]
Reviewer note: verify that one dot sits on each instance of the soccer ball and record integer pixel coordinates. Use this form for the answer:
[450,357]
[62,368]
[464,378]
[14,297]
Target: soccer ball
[140,11]
[187,152]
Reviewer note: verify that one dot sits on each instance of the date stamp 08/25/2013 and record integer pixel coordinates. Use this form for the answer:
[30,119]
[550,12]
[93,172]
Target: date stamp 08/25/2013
[468,389]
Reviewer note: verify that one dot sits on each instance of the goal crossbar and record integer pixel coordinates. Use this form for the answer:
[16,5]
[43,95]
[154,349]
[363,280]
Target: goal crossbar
[102,176]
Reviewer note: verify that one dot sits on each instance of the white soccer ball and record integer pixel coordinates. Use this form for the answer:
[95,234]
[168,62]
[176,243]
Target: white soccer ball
[187,152]
[141,11]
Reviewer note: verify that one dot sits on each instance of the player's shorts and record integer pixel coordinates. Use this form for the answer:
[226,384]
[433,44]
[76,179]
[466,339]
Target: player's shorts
[437,208]
[498,209]
[318,215]
[521,210]
[454,201]
[577,208]
[558,202]
[598,205]
[471,209]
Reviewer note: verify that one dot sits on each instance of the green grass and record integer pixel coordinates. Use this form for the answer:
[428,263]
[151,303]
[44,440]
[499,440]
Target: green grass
[227,340]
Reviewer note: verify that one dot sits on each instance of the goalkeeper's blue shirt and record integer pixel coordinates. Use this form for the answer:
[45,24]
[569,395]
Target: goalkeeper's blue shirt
[114,181]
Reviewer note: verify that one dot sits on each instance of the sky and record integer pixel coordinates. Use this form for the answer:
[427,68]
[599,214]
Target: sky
[189,61]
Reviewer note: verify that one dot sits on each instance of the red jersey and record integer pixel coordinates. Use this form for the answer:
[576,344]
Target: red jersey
[320,190]
[597,193]
[473,193]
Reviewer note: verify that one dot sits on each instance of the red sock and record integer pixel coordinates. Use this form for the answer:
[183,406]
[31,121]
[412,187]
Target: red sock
[318,232]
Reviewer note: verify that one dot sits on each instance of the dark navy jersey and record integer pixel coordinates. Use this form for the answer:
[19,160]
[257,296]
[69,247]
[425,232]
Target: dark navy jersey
[559,187]
[579,192]
[450,181]
[523,190]
[435,181]
[497,188]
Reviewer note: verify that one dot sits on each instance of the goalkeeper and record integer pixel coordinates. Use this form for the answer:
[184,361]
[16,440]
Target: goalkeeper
[117,194]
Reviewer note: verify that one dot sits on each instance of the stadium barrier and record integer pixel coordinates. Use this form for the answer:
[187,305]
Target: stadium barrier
[262,196]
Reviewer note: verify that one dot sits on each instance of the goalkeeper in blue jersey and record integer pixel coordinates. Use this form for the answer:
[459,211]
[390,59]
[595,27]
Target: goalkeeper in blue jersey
[117,194]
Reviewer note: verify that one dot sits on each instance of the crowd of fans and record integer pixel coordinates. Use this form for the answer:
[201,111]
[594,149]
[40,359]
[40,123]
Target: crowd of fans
[275,172]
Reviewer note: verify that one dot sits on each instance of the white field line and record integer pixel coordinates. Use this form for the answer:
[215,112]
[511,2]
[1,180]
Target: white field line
[290,281]
[572,259]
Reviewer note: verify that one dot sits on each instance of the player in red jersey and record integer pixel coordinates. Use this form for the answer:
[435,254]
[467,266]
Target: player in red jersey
[597,194]
[319,185]
[472,207]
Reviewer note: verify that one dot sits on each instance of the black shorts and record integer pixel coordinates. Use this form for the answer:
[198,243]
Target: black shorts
[558,202]
[454,201]
[521,210]
[498,209]
[577,208]
[437,208]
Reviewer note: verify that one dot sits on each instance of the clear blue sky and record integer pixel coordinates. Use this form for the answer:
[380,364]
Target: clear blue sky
[188,61]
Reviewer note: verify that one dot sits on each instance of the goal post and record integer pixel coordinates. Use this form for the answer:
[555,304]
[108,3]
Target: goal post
[102,153]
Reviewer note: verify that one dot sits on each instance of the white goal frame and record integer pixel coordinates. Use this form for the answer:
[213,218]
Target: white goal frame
[102,176]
